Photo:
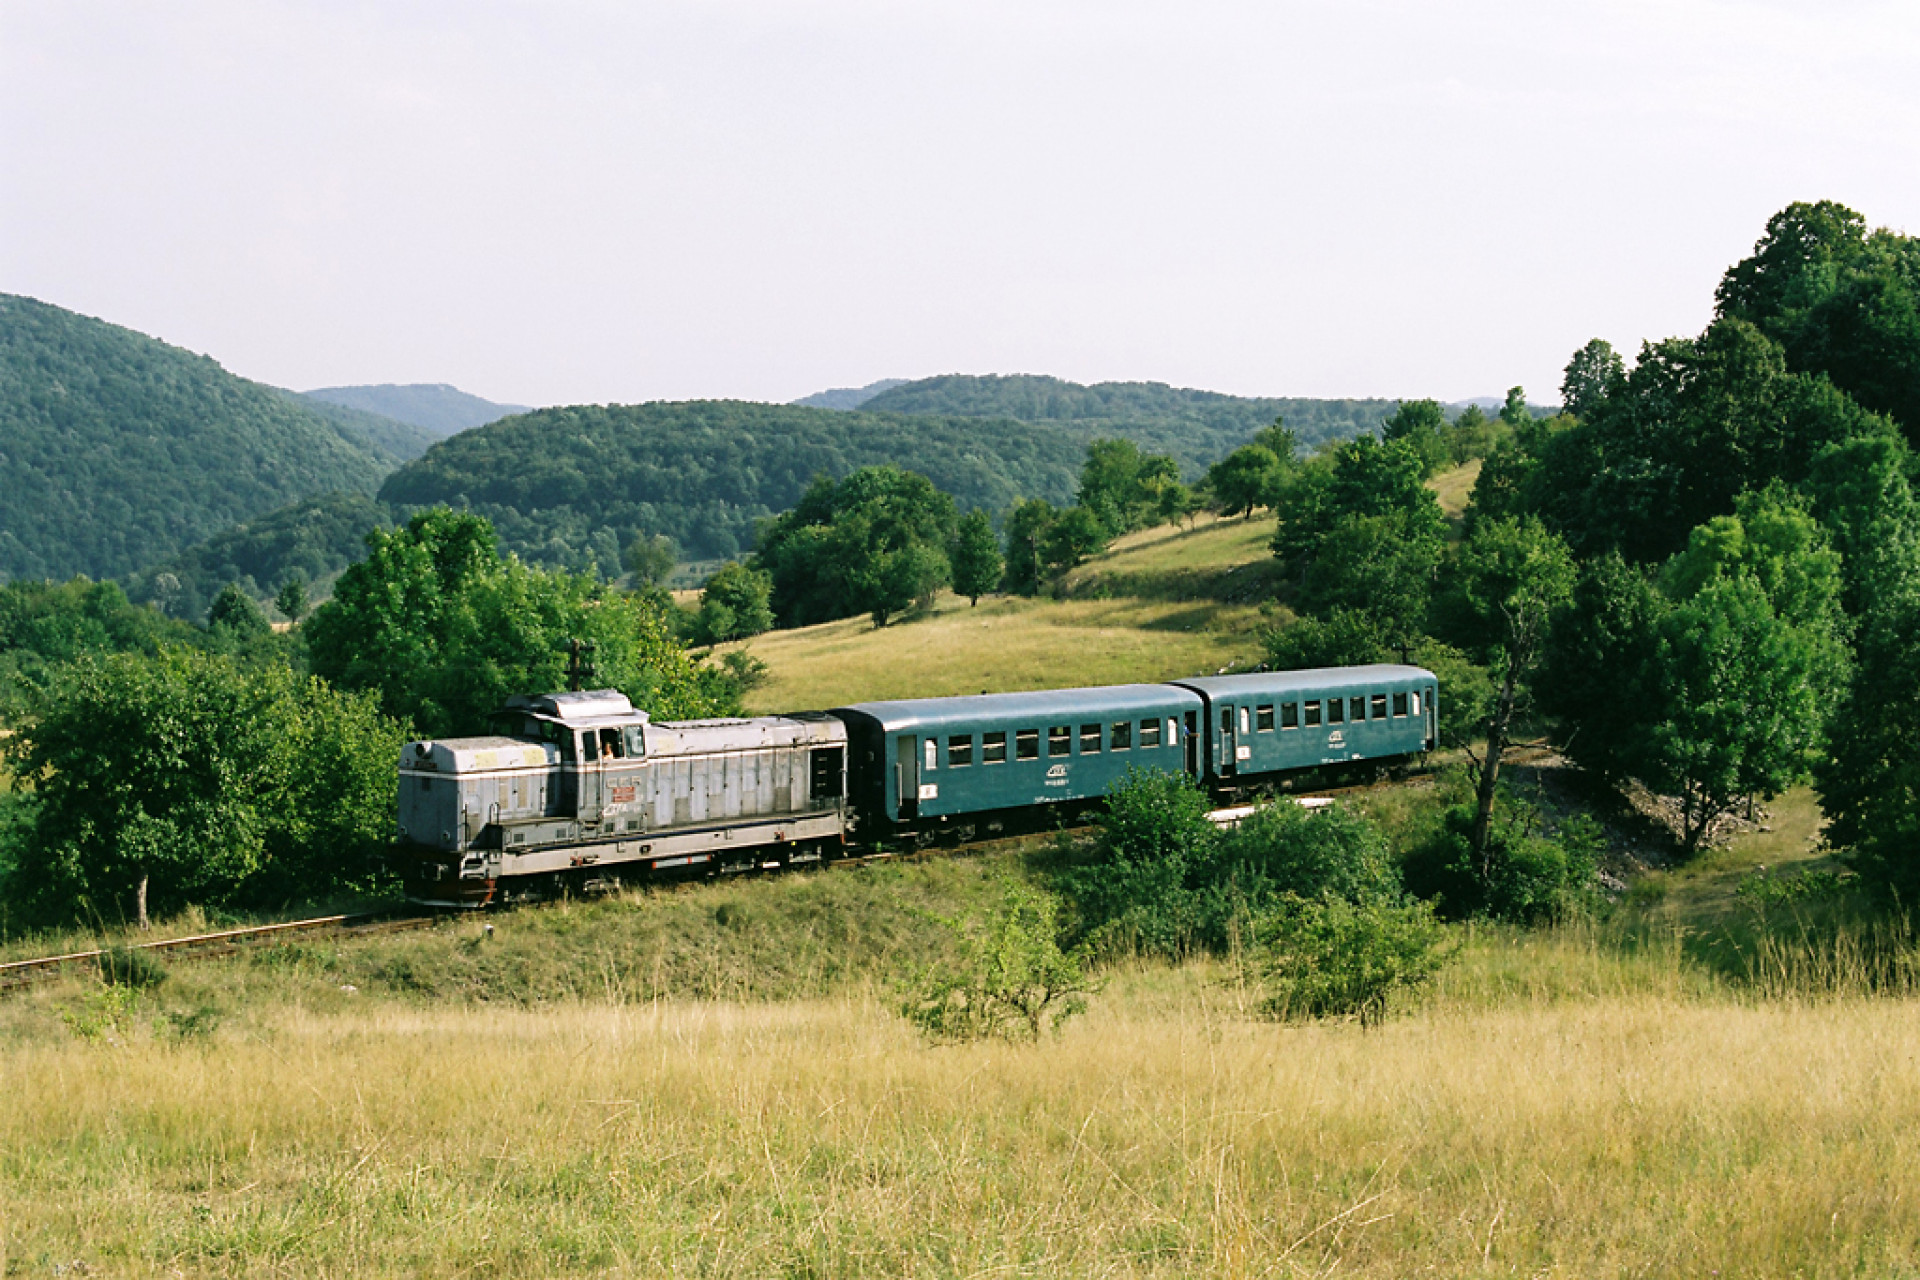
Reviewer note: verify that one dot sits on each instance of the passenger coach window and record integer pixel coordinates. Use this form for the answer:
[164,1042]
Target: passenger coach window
[1289,715]
[1089,739]
[1336,710]
[1123,735]
[993,747]
[1416,704]
[1399,704]
[1379,706]
[1313,714]
[960,751]
[1263,719]
[1246,722]
[1026,744]
[1060,740]
[1358,709]
[1149,734]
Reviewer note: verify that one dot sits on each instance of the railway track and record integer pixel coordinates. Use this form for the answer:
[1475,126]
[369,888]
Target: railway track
[17,974]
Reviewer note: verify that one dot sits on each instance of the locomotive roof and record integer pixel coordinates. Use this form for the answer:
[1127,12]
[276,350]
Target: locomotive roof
[591,706]
[1305,680]
[1033,708]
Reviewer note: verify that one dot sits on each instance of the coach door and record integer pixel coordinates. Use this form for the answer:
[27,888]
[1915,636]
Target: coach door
[1229,744]
[589,793]
[1193,745]
[906,775]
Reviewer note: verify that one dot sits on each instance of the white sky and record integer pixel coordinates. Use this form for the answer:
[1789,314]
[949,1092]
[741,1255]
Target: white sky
[596,200]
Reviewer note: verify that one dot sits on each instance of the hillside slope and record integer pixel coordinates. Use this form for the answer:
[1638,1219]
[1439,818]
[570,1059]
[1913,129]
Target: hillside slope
[1197,427]
[570,485]
[117,450]
[397,440]
[434,407]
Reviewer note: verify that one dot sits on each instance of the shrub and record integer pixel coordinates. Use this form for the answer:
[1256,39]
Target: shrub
[1131,883]
[1285,850]
[1013,981]
[131,967]
[1526,876]
[1335,959]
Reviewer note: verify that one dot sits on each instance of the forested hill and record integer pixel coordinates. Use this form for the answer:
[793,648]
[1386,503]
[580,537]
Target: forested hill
[434,407]
[117,450]
[1197,427]
[400,441]
[567,485]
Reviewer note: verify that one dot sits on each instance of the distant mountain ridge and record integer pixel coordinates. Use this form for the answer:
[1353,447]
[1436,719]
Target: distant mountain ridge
[118,450]
[1197,428]
[435,407]
[848,397]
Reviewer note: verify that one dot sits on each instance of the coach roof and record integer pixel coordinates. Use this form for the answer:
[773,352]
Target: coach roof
[1307,680]
[1042,706]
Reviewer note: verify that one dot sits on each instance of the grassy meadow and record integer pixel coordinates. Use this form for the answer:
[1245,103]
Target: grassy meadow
[712,1079]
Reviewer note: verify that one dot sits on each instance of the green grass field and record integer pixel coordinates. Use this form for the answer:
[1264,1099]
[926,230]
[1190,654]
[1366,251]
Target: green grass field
[712,1079]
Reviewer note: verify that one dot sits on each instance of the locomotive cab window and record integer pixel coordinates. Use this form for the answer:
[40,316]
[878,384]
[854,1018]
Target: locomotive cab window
[1149,733]
[1313,713]
[1123,735]
[1399,704]
[1336,710]
[636,741]
[611,747]
[1263,719]
[960,750]
[1060,740]
[1289,715]
[1026,744]
[566,748]
[993,747]
[1089,739]
[1379,706]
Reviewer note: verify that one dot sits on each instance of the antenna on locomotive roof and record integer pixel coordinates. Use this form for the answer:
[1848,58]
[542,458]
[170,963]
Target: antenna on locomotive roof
[580,668]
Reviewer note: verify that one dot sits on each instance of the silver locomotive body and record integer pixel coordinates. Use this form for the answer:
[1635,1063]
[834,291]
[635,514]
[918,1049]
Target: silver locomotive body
[583,786]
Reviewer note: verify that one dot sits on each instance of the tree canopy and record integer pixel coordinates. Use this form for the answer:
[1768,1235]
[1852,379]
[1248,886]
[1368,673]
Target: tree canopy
[875,542]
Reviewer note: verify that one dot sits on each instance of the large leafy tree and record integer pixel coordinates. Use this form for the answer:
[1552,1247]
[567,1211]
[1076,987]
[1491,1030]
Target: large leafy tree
[1423,424]
[977,564]
[734,604]
[1247,478]
[190,777]
[875,542]
[1593,374]
[1510,581]
[1121,485]
[444,629]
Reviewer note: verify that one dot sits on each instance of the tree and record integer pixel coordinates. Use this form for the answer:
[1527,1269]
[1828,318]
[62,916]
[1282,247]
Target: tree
[1423,424]
[235,613]
[1246,478]
[1378,566]
[1118,484]
[158,781]
[1028,525]
[1515,412]
[650,560]
[977,565]
[875,543]
[1509,582]
[292,599]
[1745,695]
[1869,784]
[445,630]
[1595,371]
[1074,536]
[1363,477]
[734,605]
[1326,958]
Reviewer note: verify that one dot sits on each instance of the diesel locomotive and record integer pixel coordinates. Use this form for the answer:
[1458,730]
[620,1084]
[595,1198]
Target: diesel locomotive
[584,789]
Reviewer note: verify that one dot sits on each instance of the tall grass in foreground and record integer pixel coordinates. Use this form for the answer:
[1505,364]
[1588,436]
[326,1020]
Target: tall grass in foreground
[1618,1113]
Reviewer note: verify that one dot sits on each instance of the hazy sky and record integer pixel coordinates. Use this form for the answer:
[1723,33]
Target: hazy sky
[624,201]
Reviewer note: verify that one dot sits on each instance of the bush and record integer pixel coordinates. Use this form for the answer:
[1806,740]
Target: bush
[1159,877]
[131,967]
[1130,884]
[1527,876]
[1334,959]
[1284,850]
[1012,981]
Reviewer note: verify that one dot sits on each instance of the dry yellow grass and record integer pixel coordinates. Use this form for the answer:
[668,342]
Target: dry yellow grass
[1455,488]
[1166,1134]
[1006,643]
